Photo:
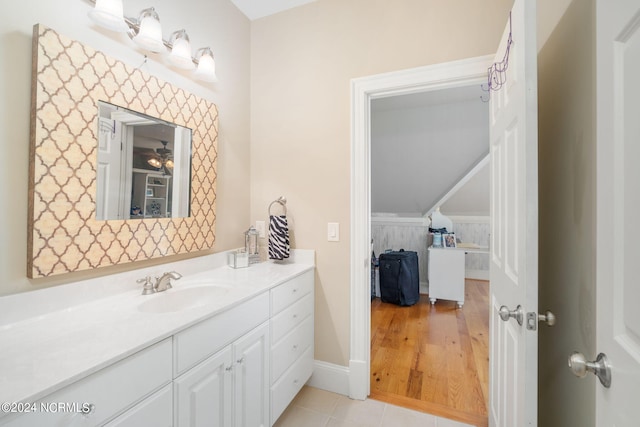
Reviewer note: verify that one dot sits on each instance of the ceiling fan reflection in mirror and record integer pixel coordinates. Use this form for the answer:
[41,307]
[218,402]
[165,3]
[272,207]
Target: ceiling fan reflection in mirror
[163,159]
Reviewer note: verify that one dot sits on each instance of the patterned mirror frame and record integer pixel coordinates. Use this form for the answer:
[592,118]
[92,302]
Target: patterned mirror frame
[68,80]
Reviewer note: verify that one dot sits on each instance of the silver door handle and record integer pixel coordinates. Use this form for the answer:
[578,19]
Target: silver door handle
[548,317]
[601,367]
[533,318]
[506,314]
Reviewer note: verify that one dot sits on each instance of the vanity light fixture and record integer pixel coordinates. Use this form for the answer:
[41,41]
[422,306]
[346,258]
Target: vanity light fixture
[146,32]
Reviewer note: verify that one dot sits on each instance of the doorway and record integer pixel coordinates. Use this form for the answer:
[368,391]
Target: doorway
[364,90]
[430,150]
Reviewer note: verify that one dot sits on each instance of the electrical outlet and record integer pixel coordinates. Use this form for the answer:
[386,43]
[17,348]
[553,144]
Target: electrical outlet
[261,228]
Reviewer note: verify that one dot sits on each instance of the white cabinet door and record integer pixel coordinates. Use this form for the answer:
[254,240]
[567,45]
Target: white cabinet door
[230,388]
[251,378]
[204,393]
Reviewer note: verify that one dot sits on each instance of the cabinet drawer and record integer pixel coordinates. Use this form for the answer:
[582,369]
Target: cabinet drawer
[286,388]
[111,390]
[200,341]
[156,410]
[289,292]
[287,350]
[291,317]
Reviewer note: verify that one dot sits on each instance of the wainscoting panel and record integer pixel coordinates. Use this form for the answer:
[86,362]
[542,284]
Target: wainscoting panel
[397,233]
[474,230]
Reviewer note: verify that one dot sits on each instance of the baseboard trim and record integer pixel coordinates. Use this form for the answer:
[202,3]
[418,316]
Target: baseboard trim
[476,274]
[424,287]
[330,377]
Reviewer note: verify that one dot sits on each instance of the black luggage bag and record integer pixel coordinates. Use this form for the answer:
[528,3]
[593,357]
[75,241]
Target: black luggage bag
[399,280]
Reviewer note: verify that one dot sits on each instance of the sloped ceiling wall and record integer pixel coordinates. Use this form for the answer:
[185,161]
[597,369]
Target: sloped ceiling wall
[472,199]
[422,145]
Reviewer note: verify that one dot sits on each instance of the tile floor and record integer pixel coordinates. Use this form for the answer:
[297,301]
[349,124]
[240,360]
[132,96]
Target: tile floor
[313,407]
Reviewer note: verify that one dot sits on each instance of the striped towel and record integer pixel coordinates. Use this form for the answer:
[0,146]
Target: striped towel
[278,237]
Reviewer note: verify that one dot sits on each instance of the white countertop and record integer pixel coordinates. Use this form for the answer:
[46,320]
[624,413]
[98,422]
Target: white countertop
[54,347]
[469,250]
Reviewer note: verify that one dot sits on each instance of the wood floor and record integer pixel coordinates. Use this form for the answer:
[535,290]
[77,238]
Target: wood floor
[434,358]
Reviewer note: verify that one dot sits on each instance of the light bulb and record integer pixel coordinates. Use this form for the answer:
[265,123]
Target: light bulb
[109,14]
[206,70]
[149,35]
[180,55]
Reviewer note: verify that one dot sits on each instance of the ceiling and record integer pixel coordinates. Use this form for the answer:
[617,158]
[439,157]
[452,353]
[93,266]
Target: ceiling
[256,9]
[429,98]
[422,145]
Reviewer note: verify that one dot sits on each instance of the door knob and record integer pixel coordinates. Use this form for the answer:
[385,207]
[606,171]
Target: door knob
[506,314]
[533,318]
[548,317]
[601,367]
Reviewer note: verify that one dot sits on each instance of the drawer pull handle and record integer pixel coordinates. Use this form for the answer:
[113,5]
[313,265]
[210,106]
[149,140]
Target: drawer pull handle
[295,316]
[295,382]
[295,290]
[295,347]
[241,360]
[228,368]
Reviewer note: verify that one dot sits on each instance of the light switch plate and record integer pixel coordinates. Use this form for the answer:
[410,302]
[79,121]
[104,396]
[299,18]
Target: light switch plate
[261,229]
[333,232]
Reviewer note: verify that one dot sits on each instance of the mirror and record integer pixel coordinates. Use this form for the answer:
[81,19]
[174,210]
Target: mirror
[64,235]
[143,166]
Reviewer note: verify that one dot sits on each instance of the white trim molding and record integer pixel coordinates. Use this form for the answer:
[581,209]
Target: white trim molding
[476,274]
[439,76]
[330,377]
[470,219]
[400,221]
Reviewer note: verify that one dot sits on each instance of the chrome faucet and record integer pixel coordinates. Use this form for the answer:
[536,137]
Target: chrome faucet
[148,288]
[164,282]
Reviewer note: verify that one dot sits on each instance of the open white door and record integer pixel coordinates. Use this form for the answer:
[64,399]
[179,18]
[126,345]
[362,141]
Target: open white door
[109,170]
[618,204]
[513,381]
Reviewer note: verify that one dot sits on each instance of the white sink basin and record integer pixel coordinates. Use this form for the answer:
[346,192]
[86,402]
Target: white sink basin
[178,299]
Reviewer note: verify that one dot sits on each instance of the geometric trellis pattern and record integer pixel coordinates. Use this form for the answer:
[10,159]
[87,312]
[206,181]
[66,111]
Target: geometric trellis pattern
[64,236]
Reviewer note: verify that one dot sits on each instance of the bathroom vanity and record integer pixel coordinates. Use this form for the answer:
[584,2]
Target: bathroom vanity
[223,347]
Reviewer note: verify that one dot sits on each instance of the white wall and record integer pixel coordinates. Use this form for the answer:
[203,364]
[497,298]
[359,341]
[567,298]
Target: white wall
[472,198]
[302,62]
[567,209]
[216,23]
